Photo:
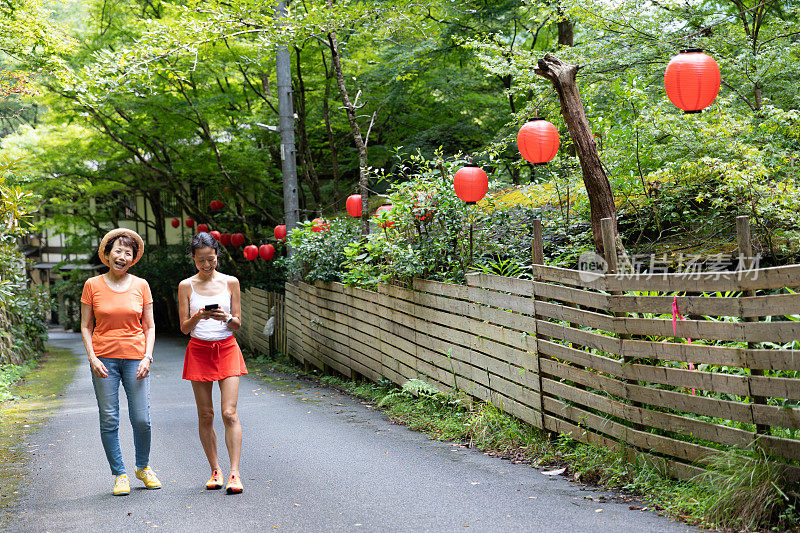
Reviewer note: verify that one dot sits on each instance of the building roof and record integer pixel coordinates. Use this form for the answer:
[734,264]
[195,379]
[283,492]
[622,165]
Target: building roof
[67,266]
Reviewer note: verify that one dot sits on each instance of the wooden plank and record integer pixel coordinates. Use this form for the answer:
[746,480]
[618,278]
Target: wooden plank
[521,287]
[779,332]
[578,316]
[581,357]
[594,300]
[668,467]
[580,337]
[715,382]
[579,433]
[758,279]
[715,355]
[687,305]
[365,370]
[574,278]
[640,439]
[481,368]
[775,387]
[679,401]
[503,353]
[651,418]
[478,298]
[770,305]
[456,322]
[361,361]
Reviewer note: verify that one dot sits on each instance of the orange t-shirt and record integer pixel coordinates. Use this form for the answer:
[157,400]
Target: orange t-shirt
[118,331]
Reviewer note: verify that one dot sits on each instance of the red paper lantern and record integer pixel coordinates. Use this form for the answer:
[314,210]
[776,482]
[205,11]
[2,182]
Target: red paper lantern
[225,239]
[266,251]
[202,228]
[280,232]
[175,222]
[214,233]
[471,183]
[250,251]
[388,209]
[538,141]
[237,239]
[318,225]
[692,80]
[189,222]
[353,205]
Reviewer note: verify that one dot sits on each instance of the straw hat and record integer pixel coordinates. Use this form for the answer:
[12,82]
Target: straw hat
[101,252]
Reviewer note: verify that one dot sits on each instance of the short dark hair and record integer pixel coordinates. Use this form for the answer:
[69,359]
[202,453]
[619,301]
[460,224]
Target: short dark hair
[125,240]
[203,240]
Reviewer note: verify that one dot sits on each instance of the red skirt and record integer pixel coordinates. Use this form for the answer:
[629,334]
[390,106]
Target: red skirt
[213,360]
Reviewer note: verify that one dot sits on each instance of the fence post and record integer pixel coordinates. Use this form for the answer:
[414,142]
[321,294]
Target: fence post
[746,262]
[537,253]
[610,253]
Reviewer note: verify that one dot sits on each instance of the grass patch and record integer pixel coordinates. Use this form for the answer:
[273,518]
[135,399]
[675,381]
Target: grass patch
[741,491]
[28,401]
[10,375]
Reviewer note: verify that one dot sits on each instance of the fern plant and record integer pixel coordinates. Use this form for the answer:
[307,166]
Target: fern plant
[413,388]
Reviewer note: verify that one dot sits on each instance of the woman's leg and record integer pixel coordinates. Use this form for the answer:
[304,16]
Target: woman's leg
[138,393]
[205,415]
[106,390]
[229,388]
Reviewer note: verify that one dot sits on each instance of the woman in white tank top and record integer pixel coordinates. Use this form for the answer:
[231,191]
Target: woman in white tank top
[210,311]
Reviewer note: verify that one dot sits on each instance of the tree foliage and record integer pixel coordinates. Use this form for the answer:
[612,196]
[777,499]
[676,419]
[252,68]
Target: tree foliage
[176,102]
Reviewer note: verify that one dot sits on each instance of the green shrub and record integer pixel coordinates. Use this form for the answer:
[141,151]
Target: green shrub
[23,328]
[429,232]
[320,255]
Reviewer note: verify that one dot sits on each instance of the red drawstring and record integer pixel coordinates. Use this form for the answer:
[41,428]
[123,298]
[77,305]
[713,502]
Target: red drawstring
[675,316]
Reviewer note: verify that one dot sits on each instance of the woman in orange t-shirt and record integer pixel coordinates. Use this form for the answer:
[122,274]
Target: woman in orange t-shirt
[118,332]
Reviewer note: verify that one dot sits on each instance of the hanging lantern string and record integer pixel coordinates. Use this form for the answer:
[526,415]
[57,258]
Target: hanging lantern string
[679,38]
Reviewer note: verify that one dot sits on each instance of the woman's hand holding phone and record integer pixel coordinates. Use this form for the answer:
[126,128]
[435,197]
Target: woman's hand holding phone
[214,311]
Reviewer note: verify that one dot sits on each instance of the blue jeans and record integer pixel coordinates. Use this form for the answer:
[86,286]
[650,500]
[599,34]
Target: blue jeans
[138,392]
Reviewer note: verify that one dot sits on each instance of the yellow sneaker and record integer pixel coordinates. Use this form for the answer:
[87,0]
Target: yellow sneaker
[147,475]
[121,486]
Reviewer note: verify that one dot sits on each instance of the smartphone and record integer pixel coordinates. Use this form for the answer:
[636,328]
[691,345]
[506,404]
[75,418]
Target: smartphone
[209,307]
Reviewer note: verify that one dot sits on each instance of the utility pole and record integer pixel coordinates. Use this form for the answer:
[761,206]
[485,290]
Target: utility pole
[291,206]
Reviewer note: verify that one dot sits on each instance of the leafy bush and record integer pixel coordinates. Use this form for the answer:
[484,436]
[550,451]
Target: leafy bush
[427,233]
[320,255]
[23,327]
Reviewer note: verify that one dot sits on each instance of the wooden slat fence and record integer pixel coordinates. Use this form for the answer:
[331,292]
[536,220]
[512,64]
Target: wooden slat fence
[258,306]
[595,357]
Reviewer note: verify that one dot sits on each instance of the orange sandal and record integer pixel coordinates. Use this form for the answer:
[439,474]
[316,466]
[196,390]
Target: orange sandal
[215,483]
[234,485]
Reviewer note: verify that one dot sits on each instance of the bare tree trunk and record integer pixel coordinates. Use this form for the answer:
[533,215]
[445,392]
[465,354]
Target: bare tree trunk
[309,171]
[350,109]
[598,188]
[566,29]
[326,112]
[158,214]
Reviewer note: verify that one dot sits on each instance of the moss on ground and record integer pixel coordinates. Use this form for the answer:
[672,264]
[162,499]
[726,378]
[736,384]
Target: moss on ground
[37,396]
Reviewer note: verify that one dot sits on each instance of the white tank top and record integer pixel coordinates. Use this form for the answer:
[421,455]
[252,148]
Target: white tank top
[209,329]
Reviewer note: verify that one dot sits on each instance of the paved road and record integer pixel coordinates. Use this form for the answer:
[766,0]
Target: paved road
[313,460]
